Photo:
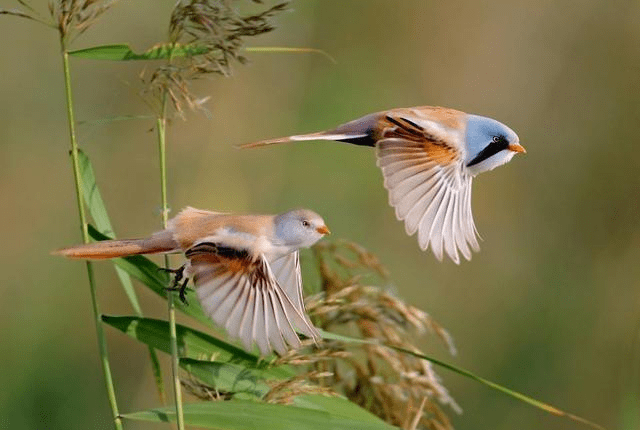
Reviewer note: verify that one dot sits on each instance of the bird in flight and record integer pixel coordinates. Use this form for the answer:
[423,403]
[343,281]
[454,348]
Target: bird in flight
[428,157]
[245,268]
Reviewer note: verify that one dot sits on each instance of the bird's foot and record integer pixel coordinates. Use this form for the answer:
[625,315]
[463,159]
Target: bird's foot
[175,285]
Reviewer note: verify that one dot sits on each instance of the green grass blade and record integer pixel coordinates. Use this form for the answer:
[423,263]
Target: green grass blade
[191,343]
[98,211]
[290,50]
[167,50]
[251,415]
[341,407]
[125,53]
[157,374]
[150,274]
[228,377]
[516,395]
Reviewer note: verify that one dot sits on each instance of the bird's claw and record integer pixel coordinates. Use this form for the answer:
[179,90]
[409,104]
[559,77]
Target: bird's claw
[179,274]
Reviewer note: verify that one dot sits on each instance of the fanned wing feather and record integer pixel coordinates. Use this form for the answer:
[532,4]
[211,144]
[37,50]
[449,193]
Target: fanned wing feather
[431,193]
[286,269]
[244,296]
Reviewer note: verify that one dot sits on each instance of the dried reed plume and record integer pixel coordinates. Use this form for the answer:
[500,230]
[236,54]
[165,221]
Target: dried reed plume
[70,17]
[404,391]
[283,392]
[217,29]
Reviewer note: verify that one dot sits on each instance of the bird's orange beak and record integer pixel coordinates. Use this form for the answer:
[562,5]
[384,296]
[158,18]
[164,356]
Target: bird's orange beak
[323,230]
[515,147]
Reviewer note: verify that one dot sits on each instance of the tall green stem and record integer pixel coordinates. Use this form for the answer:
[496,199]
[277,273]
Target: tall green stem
[102,341]
[161,125]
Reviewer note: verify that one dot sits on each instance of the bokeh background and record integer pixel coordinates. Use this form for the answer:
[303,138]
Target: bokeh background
[548,307]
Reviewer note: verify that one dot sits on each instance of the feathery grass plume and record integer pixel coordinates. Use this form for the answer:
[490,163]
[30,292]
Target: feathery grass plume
[70,17]
[283,392]
[30,13]
[220,28]
[403,390]
[74,17]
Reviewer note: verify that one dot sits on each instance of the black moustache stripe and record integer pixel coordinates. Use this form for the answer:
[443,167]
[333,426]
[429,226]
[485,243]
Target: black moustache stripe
[492,149]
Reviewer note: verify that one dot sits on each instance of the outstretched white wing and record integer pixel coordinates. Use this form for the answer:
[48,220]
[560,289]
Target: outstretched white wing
[242,295]
[431,192]
[286,269]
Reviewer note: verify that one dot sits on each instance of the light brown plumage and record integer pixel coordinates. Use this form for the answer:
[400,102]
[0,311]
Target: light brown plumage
[182,232]
[159,242]
[420,152]
[247,276]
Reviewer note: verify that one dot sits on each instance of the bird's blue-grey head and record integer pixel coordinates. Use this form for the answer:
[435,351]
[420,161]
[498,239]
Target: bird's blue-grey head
[300,228]
[489,144]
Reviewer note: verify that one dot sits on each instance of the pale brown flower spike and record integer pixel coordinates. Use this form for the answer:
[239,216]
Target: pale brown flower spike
[402,390]
[70,17]
[74,17]
[219,27]
[283,392]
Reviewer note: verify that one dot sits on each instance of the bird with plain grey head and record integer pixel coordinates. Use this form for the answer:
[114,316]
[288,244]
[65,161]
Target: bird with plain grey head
[429,157]
[246,269]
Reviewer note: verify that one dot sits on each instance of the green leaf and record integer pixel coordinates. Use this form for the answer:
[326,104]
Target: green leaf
[191,343]
[251,415]
[98,211]
[151,275]
[228,377]
[460,371]
[157,375]
[125,53]
[339,406]
[165,51]
[290,50]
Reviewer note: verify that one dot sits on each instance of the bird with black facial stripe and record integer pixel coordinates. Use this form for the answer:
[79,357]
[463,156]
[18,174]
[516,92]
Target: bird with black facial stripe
[429,157]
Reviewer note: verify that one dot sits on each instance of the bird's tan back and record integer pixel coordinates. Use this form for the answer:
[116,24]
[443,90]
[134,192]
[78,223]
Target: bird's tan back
[191,225]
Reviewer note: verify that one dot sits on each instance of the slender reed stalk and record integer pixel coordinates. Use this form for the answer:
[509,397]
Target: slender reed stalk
[161,125]
[102,341]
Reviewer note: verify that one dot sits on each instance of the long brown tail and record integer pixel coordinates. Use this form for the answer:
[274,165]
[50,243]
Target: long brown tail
[160,242]
[329,135]
[359,132]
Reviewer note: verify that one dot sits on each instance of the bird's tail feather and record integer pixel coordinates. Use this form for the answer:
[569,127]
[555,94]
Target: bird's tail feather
[119,248]
[323,135]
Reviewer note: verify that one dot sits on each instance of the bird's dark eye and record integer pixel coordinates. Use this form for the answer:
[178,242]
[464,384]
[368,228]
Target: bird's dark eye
[305,223]
[496,139]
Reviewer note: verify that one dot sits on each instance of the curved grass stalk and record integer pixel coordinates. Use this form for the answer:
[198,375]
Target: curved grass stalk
[102,342]
[161,125]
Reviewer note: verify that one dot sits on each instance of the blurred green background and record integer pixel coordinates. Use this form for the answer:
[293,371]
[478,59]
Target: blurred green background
[548,307]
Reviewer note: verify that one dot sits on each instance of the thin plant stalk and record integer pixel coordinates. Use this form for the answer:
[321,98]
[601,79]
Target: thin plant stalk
[161,125]
[102,341]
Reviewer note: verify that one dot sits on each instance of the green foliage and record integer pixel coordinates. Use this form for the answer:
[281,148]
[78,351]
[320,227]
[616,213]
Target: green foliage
[318,414]
[98,212]
[228,377]
[165,51]
[125,53]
